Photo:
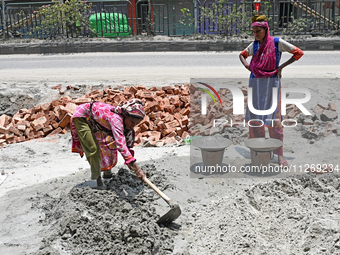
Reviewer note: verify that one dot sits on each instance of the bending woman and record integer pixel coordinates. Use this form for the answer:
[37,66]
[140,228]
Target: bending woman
[100,130]
[265,74]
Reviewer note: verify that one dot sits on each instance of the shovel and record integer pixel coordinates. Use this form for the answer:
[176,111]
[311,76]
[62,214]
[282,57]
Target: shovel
[174,212]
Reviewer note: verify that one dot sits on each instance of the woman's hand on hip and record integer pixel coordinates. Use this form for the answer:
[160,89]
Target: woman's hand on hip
[244,62]
[247,67]
[279,72]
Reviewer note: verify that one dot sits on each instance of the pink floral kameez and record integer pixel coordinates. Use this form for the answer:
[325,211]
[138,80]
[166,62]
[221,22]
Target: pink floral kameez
[109,145]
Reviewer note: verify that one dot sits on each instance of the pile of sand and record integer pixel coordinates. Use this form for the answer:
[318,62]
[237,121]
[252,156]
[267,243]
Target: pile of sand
[294,215]
[120,220]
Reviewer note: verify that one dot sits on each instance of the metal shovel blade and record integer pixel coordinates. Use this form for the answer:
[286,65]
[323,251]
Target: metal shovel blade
[171,215]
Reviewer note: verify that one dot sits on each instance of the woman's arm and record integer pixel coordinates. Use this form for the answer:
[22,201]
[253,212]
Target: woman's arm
[244,62]
[246,53]
[288,62]
[287,47]
[117,127]
[139,172]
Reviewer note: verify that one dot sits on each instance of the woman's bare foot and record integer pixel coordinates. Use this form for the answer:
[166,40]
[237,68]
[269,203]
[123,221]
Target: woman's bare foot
[100,184]
[282,161]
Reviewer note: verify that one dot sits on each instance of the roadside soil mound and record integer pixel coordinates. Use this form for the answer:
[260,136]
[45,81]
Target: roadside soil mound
[294,215]
[120,220]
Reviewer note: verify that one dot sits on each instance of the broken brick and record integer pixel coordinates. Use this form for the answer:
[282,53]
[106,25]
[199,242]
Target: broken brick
[9,136]
[46,107]
[172,124]
[170,140]
[80,101]
[39,121]
[37,108]
[55,132]
[54,124]
[60,111]
[185,111]
[160,126]
[179,131]
[332,106]
[39,134]
[293,113]
[21,139]
[328,115]
[140,87]
[167,131]
[47,129]
[14,130]
[4,130]
[184,120]
[154,135]
[185,135]
[166,88]
[332,129]
[65,121]
[308,122]
[16,119]
[71,107]
[319,109]
[169,108]
[65,100]
[23,111]
[160,93]
[148,95]
[143,127]
[133,90]
[5,120]
[174,100]
[38,127]
[57,86]
[169,118]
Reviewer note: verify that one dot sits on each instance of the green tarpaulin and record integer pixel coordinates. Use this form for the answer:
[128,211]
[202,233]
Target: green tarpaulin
[110,24]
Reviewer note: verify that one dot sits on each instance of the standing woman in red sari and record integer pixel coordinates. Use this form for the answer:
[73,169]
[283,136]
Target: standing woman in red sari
[266,73]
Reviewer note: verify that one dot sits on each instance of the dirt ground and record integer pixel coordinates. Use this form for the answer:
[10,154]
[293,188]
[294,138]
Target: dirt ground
[48,205]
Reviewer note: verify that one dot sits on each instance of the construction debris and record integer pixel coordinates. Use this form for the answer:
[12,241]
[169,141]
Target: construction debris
[167,118]
[166,122]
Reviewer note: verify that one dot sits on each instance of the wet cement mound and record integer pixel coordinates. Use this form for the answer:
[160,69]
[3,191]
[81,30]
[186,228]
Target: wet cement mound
[116,221]
[295,215]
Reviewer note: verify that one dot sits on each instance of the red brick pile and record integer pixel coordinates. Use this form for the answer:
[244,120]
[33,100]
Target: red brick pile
[203,124]
[167,110]
[326,113]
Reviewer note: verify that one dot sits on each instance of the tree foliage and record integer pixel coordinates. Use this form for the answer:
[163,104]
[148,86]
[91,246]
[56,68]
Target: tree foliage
[70,17]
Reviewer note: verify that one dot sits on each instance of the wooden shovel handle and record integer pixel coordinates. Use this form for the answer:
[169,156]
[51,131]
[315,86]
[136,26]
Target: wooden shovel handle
[165,197]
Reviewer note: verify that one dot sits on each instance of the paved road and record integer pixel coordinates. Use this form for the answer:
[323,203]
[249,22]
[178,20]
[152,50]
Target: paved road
[150,68]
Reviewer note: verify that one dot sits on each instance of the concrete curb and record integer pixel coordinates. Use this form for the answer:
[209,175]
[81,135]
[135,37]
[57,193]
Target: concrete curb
[154,46]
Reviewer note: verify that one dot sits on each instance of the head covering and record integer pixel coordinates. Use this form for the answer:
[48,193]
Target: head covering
[258,18]
[263,63]
[133,108]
